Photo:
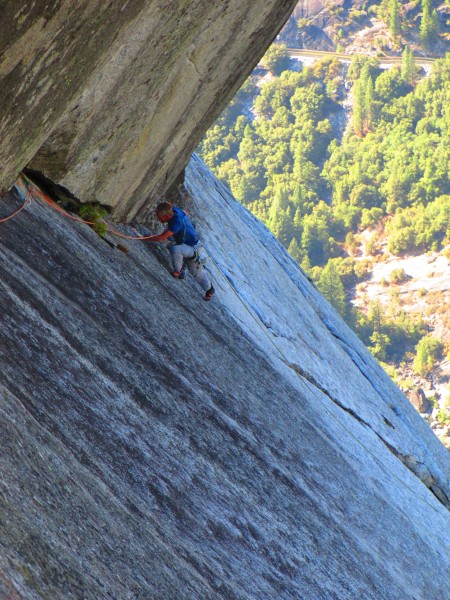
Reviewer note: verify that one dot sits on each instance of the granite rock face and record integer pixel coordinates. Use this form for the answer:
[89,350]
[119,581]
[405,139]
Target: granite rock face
[154,445]
[157,446]
[111,98]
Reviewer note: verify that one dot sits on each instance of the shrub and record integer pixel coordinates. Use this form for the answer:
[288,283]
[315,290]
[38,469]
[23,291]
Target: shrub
[371,217]
[276,59]
[94,214]
[398,276]
[427,352]
[362,268]
[443,415]
[351,243]
[371,246]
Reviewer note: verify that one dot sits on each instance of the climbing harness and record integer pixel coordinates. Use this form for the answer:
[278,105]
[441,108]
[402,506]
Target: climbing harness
[199,254]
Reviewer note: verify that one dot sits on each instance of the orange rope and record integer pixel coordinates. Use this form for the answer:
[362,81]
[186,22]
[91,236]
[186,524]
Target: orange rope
[54,205]
[16,212]
[61,210]
[129,237]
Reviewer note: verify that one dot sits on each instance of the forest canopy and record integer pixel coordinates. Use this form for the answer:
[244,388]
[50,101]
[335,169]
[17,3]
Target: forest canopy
[279,148]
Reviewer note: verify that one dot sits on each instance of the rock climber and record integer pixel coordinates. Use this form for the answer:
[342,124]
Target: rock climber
[186,246]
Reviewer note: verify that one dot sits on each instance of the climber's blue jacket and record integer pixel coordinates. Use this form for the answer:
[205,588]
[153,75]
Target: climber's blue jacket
[182,229]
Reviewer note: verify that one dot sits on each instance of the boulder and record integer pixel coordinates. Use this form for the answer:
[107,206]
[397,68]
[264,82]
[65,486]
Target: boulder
[419,400]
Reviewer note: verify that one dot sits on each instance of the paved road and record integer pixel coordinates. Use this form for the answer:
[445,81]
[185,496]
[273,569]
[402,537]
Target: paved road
[384,61]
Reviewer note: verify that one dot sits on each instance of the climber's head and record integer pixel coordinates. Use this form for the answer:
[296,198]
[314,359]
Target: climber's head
[164,211]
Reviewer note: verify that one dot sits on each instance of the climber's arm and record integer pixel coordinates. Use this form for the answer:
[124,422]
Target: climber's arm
[162,237]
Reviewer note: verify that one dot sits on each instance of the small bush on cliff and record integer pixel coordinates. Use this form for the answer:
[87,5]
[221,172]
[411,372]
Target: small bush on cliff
[94,215]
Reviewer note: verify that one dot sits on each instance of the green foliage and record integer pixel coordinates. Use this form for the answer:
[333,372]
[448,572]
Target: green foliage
[294,251]
[398,165]
[420,228]
[396,331]
[428,351]
[394,18]
[364,107]
[379,344]
[398,276]
[359,61]
[443,415]
[93,214]
[409,69]
[276,59]
[390,85]
[393,373]
[429,26]
[331,286]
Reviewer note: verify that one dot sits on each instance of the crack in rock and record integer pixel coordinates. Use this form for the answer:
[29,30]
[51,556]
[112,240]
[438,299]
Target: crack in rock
[421,471]
[417,468]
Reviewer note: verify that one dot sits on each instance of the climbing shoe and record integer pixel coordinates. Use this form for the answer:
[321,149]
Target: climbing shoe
[179,274]
[209,294]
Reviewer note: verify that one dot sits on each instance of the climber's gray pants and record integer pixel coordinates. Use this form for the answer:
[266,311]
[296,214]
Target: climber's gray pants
[182,253]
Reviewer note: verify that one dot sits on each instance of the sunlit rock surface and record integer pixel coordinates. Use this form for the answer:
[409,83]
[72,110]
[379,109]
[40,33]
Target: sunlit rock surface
[111,98]
[157,446]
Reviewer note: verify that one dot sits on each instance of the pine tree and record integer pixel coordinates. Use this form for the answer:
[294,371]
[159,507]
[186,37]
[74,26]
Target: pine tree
[358,108]
[298,220]
[363,113]
[306,264]
[429,26]
[408,70]
[380,342]
[375,316]
[331,286]
[294,251]
[394,18]
[299,160]
[427,352]
[369,116]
